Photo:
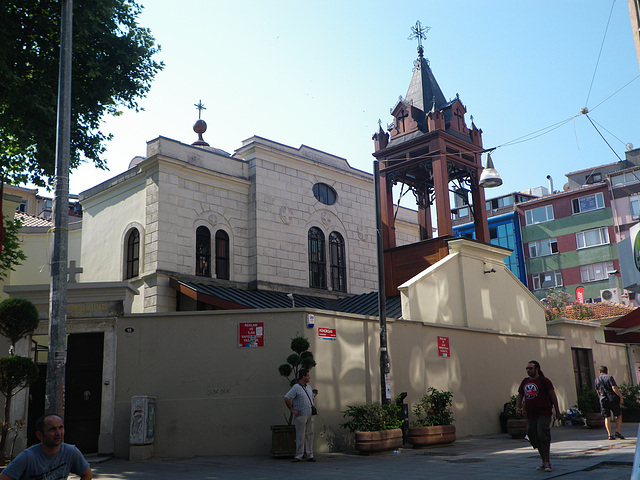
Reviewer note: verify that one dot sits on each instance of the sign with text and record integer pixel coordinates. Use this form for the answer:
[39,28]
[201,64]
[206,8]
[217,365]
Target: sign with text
[443,347]
[327,333]
[580,294]
[251,335]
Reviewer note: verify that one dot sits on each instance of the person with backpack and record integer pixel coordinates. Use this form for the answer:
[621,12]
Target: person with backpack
[538,395]
[610,400]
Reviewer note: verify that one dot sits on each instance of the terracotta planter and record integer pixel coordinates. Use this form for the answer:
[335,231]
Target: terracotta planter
[283,441]
[436,435]
[380,441]
[594,420]
[517,427]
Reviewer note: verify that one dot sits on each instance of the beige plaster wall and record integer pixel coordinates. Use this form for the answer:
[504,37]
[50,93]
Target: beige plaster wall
[36,243]
[457,291]
[214,398]
[107,217]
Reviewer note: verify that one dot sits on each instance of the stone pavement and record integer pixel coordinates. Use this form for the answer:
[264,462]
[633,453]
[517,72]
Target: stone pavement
[577,453]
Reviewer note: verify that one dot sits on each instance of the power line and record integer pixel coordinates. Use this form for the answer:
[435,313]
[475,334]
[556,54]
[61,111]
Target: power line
[600,53]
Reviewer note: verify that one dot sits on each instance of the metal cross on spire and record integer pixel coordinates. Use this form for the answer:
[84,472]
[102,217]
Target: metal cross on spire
[199,106]
[419,32]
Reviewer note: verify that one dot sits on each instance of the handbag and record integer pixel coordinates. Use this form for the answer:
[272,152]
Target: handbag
[314,410]
[612,397]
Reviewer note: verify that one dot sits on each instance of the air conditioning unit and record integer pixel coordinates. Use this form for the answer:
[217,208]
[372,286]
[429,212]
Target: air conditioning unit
[610,295]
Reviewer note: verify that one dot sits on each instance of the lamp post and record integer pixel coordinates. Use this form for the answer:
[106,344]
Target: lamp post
[56,357]
[385,367]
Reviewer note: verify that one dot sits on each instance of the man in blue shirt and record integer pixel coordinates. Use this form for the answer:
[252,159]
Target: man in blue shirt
[51,459]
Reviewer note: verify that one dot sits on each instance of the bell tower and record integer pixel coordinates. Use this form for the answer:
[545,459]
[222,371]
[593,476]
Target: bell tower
[430,150]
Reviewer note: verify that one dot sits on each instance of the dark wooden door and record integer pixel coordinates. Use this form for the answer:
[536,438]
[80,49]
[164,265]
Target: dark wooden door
[83,390]
[582,368]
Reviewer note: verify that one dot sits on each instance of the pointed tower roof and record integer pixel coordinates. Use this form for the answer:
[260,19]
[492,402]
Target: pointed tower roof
[424,92]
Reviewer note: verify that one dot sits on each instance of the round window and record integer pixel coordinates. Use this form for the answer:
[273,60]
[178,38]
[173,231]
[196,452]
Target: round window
[324,193]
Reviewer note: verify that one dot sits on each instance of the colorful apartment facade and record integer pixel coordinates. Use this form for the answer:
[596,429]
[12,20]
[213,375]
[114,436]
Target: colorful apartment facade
[569,242]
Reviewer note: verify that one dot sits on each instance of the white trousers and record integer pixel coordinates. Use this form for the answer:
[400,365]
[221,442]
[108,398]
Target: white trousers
[304,435]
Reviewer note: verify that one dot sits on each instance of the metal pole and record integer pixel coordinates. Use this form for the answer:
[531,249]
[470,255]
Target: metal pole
[56,358]
[385,368]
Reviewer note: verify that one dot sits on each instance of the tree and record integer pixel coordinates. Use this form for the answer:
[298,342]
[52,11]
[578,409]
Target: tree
[11,254]
[18,318]
[112,68]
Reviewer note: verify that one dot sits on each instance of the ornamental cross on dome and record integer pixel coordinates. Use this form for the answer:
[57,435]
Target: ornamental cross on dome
[199,106]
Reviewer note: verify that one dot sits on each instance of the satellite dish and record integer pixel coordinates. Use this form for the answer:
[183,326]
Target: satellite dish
[629,147]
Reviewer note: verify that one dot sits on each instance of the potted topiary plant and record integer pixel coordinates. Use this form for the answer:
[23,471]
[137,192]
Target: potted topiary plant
[283,437]
[377,427]
[434,420]
[516,422]
[589,405]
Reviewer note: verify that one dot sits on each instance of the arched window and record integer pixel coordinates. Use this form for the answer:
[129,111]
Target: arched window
[132,268]
[222,255]
[203,252]
[338,262]
[317,259]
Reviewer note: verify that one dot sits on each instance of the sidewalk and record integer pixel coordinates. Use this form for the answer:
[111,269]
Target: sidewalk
[577,453]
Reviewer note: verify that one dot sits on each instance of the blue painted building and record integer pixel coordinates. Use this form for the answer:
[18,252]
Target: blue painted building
[504,228]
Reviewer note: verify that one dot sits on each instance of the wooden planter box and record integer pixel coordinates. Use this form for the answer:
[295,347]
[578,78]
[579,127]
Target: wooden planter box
[594,420]
[436,435]
[283,441]
[381,441]
[517,427]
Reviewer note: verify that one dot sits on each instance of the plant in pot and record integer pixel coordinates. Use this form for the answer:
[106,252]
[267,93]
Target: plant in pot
[377,427]
[589,405]
[630,402]
[516,423]
[434,420]
[283,437]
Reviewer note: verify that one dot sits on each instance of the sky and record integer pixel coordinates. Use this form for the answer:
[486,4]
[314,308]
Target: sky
[323,73]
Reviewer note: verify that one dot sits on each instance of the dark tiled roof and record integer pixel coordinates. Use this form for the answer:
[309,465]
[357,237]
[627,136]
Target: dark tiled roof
[235,298]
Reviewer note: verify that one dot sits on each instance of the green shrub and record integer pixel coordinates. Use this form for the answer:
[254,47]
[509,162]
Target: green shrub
[372,417]
[588,400]
[630,396]
[434,409]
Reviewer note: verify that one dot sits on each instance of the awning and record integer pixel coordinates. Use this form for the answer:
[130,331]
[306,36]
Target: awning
[626,329]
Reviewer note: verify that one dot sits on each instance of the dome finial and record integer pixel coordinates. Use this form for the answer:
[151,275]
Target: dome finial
[200,126]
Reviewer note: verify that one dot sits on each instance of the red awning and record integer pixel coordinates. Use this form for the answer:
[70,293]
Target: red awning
[625,329]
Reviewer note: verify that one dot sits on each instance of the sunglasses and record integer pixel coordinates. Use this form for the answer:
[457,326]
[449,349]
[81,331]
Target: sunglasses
[530,368]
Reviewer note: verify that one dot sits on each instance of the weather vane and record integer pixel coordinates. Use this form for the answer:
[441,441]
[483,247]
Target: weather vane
[419,32]
[199,106]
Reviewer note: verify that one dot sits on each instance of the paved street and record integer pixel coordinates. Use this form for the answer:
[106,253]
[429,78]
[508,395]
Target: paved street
[577,453]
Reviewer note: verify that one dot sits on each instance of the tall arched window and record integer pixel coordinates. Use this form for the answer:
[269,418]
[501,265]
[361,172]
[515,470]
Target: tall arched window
[338,262]
[203,252]
[317,259]
[132,268]
[222,255]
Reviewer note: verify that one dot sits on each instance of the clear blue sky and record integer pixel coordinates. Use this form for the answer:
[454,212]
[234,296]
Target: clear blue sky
[323,73]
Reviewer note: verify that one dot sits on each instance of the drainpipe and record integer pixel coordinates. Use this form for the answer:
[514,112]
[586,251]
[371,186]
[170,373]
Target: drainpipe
[632,365]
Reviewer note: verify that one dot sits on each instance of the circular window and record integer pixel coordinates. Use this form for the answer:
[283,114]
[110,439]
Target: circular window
[324,193]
